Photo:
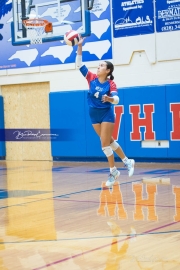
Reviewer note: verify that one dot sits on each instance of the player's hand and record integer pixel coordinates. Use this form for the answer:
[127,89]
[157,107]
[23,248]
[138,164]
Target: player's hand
[105,98]
[81,41]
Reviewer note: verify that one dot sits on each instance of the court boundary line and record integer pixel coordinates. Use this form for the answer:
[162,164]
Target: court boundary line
[91,238]
[58,196]
[101,247]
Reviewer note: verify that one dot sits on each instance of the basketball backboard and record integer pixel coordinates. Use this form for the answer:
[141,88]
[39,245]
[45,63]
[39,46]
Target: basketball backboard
[64,15]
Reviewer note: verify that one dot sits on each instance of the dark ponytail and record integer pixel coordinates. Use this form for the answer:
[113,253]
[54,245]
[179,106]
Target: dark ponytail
[111,77]
[111,67]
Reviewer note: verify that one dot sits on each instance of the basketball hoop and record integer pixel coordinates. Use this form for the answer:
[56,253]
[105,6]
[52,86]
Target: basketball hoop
[36,28]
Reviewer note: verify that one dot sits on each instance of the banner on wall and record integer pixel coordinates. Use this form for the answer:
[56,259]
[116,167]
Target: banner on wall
[98,46]
[131,18]
[167,15]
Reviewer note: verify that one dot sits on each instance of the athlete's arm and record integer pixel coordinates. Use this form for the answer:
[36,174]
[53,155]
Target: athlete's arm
[79,55]
[113,98]
[79,65]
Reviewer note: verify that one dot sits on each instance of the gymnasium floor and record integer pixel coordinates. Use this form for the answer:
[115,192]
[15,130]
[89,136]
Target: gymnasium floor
[60,216]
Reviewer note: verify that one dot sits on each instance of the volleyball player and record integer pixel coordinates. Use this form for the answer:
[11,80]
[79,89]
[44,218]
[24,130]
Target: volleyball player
[101,96]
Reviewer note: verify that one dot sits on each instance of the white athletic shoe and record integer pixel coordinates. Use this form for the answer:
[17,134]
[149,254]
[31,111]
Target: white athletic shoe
[130,166]
[112,178]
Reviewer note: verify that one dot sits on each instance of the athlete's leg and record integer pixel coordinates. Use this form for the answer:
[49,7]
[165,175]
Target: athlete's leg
[129,163]
[118,150]
[97,128]
[106,133]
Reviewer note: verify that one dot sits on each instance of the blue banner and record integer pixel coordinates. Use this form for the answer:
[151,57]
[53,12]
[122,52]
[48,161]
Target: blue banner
[131,18]
[167,15]
[98,46]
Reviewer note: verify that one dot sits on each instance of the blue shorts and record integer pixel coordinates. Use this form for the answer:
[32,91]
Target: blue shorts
[101,115]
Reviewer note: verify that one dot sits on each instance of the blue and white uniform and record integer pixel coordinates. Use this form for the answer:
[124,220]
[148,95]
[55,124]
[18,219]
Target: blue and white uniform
[99,111]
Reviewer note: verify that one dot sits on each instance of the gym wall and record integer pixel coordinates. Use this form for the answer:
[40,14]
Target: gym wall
[147,126]
[142,55]
[146,63]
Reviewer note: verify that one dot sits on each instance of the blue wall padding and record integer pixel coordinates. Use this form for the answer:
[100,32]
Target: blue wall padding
[2,143]
[69,110]
[139,96]
[121,135]
[172,96]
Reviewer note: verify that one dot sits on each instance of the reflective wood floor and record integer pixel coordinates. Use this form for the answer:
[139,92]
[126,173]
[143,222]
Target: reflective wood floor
[56,215]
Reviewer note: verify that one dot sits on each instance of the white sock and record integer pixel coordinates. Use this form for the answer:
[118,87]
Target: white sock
[112,169]
[125,160]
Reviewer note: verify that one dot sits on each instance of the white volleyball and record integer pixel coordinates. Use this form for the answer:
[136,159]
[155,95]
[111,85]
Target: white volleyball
[71,38]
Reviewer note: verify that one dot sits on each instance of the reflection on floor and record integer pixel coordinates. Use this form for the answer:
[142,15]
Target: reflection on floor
[61,216]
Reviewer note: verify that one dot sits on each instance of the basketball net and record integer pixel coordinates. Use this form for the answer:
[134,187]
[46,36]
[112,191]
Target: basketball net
[35,29]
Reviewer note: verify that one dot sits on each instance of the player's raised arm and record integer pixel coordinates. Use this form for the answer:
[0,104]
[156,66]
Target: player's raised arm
[79,63]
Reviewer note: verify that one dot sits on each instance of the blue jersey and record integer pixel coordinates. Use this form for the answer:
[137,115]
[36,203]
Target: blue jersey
[97,89]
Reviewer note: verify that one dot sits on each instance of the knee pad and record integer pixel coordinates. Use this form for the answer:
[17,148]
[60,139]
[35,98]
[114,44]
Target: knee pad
[114,145]
[107,151]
